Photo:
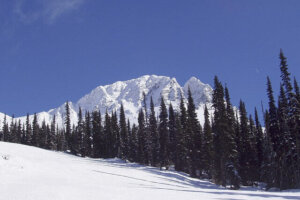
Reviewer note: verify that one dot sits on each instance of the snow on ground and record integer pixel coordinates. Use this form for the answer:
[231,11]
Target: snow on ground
[30,173]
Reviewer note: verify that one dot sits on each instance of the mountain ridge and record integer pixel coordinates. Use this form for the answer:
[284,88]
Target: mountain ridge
[129,93]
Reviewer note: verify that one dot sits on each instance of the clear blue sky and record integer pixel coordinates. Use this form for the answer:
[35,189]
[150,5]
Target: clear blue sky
[53,51]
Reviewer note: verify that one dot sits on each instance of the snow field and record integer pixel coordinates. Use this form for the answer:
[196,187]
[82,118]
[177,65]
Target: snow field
[30,173]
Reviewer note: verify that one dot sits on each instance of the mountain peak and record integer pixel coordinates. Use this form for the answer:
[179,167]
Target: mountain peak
[202,93]
[130,94]
[192,82]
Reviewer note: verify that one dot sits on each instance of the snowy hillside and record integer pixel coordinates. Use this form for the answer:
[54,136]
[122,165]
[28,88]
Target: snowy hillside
[130,93]
[30,173]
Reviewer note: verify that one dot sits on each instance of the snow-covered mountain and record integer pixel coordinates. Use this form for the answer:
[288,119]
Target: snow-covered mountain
[130,94]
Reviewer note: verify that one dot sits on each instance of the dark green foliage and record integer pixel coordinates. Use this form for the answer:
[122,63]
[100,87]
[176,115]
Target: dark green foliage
[285,75]
[61,140]
[68,127]
[273,118]
[282,127]
[225,171]
[80,133]
[115,136]
[247,148]
[163,131]
[28,133]
[108,139]
[13,131]
[52,135]
[23,136]
[35,131]
[172,134]
[181,149]
[87,140]
[141,138]
[19,133]
[97,133]
[5,130]
[181,138]
[259,145]
[123,135]
[154,137]
[129,132]
[133,155]
[287,150]
[42,135]
[207,149]
[194,139]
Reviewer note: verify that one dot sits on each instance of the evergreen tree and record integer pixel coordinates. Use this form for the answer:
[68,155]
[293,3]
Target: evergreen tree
[108,138]
[163,136]
[194,143]
[297,126]
[253,162]
[23,139]
[134,144]
[123,135]
[19,132]
[218,129]
[232,163]
[73,140]
[293,120]
[224,168]
[207,145]
[80,133]
[274,134]
[296,88]
[42,134]
[28,131]
[141,137]
[181,138]
[52,135]
[180,157]
[246,151]
[5,130]
[259,144]
[115,135]
[172,134]
[97,134]
[273,119]
[287,152]
[285,75]
[87,136]
[129,141]
[13,131]
[61,141]
[49,139]
[35,131]
[68,127]
[154,137]
[268,171]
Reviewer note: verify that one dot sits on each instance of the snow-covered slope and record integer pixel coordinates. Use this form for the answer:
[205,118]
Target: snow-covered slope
[30,173]
[130,94]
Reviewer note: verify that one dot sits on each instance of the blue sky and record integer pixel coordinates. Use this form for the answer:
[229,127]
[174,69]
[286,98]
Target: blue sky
[53,51]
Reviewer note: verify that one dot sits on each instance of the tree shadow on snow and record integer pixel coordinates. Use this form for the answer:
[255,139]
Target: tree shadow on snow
[182,182]
[180,178]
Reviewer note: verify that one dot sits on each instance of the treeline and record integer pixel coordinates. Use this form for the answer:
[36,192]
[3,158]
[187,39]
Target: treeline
[232,148]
